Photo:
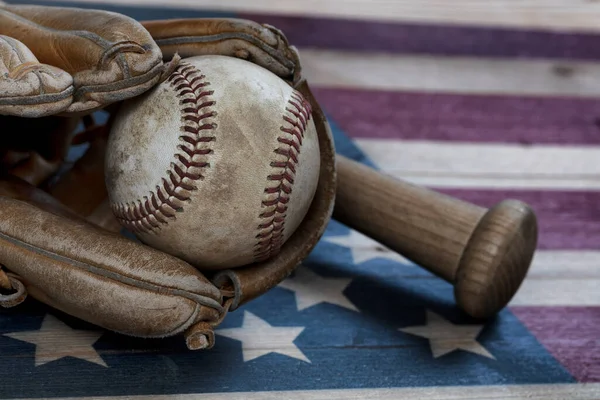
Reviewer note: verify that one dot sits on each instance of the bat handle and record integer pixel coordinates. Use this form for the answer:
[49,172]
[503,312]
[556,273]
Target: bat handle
[484,253]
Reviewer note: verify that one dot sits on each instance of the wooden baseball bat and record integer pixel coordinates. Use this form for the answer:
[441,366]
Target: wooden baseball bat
[484,253]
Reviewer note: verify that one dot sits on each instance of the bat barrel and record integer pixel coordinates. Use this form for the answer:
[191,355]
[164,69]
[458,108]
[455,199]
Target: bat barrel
[484,253]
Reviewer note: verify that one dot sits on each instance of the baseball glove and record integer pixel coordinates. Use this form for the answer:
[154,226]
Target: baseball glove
[62,71]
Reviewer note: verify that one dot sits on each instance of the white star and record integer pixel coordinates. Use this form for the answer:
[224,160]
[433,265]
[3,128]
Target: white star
[55,340]
[312,289]
[445,337]
[364,248]
[259,338]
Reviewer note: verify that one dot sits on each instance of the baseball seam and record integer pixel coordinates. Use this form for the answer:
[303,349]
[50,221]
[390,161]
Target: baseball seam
[280,182]
[197,136]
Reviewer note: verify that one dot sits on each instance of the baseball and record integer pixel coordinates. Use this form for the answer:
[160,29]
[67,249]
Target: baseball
[217,165]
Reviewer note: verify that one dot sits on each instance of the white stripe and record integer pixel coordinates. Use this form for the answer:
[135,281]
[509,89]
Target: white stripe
[561,278]
[469,75]
[555,278]
[572,264]
[468,165]
[561,292]
[510,392]
[554,14]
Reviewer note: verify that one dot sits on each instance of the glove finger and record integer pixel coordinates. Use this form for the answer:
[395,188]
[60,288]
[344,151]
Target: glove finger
[82,187]
[101,277]
[260,44]
[110,56]
[27,87]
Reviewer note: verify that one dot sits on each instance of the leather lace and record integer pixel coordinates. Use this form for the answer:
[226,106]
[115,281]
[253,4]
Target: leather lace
[12,290]
[5,285]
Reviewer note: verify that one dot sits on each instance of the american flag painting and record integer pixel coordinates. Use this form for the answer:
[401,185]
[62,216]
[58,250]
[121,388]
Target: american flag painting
[487,101]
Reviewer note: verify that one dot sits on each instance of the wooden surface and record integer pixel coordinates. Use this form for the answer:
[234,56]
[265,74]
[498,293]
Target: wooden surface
[481,100]
[556,14]
[524,392]
[447,164]
[465,75]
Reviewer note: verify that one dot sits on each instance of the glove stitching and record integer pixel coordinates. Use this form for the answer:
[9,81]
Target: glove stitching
[169,198]
[37,99]
[121,84]
[225,36]
[11,43]
[271,231]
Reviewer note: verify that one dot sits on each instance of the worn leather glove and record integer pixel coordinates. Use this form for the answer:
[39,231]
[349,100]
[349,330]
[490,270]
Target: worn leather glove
[59,242]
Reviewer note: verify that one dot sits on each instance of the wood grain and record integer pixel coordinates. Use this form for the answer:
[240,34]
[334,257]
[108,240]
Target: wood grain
[589,391]
[566,15]
[572,276]
[484,253]
[438,74]
[446,164]
[437,117]
[573,344]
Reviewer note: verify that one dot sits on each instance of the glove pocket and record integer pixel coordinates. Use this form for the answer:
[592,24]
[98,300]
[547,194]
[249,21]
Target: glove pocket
[104,278]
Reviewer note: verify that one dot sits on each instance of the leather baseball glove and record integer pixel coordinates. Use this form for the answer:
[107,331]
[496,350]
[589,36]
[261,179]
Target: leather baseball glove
[62,71]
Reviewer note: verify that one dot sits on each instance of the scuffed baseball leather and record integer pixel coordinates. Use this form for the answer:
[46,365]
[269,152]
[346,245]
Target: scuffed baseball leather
[110,56]
[260,44]
[245,284]
[98,276]
[29,88]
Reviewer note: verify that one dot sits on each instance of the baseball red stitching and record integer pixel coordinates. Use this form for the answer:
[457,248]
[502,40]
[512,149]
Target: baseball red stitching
[280,182]
[196,138]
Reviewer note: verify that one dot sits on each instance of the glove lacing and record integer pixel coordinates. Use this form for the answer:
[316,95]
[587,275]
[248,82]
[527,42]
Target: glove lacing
[12,290]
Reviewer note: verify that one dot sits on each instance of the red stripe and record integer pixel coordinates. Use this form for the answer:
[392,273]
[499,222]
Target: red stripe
[567,220]
[570,334]
[387,114]
[421,38]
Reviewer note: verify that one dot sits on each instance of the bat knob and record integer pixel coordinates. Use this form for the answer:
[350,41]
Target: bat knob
[484,253]
[496,258]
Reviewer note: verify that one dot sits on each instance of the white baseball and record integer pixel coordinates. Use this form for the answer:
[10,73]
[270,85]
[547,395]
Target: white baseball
[217,165]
